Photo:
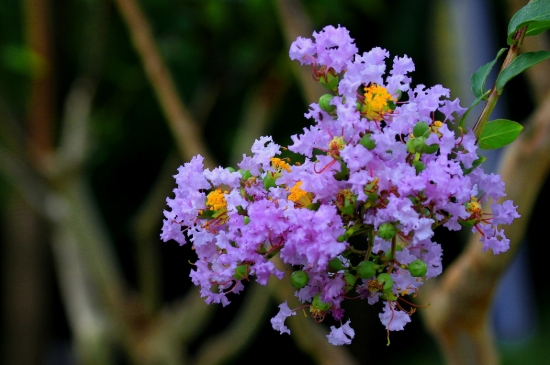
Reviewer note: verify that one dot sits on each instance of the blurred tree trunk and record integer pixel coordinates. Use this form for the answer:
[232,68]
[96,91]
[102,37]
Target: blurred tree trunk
[27,302]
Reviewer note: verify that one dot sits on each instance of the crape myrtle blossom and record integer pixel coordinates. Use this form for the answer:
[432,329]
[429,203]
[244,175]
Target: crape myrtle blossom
[384,166]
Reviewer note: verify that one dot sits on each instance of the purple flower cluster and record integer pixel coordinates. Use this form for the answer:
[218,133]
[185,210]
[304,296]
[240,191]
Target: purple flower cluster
[384,166]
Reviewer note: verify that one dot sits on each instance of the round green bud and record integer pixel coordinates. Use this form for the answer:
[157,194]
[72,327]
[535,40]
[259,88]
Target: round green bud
[420,129]
[230,169]
[336,264]
[367,142]
[366,269]
[350,281]
[324,103]
[418,268]
[241,272]
[387,231]
[299,279]
[246,220]
[385,279]
[318,304]
[418,145]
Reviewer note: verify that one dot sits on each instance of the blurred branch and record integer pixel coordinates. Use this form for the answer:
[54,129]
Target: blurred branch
[248,321]
[24,180]
[41,111]
[144,226]
[309,336]
[260,105]
[185,131]
[294,22]
[461,324]
[26,302]
[86,317]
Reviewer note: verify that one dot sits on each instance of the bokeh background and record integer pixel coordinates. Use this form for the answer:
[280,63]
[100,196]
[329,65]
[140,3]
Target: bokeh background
[95,119]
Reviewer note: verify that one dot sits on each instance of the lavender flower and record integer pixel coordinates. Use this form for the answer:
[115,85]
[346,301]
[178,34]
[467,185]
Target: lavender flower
[383,164]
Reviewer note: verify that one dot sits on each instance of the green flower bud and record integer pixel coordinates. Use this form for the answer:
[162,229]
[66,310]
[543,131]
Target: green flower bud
[420,129]
[319,304]
[324,103]
[366,269]
[388,295]
[331,82]
[469,223]
[246,220]
[367,142]
[299,279]
[343,173]
[387,231]
[245,174]
[314,206]
[350,281]
[432,148]
[385,279]
[419,166]
[269,181]
[241,272]
[336,264]
[418,268]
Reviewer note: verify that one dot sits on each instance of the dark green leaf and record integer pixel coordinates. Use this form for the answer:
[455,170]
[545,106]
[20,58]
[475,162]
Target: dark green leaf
[518,65]
[480,77]
[536,14]
[498,133]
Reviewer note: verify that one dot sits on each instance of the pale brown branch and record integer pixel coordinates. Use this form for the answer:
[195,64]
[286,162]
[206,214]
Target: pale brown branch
[294,22]
[538,76]
[248,321]
[184,129]
[260,106]
[310,337]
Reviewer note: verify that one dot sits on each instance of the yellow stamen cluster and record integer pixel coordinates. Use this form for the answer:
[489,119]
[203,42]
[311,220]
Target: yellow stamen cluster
[435,126]
[376,102]
[216,200]
[279,164]
[301,198]
[336,145]
[296,193]
[475,209]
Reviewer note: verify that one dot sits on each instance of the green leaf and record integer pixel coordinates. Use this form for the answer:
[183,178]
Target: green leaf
[480,77]
[461,124]
[536,14]
[518,65]
[498,133]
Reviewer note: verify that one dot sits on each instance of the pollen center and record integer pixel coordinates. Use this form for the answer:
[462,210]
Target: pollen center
[216,200]
[378,102]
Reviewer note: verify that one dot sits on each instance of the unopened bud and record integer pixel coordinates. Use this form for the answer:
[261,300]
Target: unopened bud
[299,279]
[366,269]
[324,103]
[386,231]
[418,268]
